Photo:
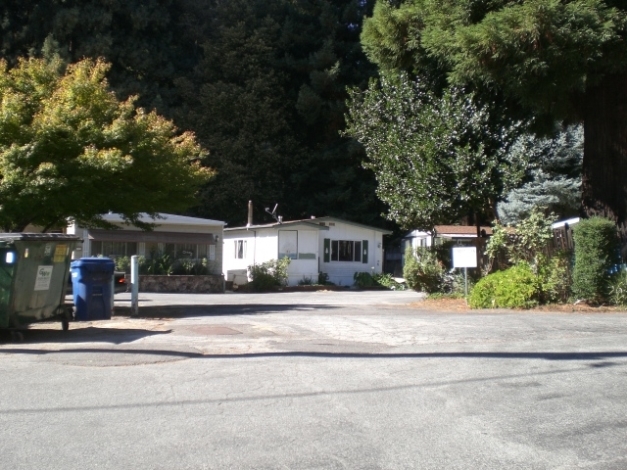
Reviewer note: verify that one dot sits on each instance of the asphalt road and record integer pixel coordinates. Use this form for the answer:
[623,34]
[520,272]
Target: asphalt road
[326,380]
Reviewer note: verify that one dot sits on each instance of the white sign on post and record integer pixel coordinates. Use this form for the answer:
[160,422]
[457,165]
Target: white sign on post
[464,257]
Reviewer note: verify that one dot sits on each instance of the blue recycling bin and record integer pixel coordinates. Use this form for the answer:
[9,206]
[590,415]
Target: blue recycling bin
[92,286]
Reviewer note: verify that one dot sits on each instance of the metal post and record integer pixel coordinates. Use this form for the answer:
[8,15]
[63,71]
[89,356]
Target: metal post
[466,282]
[134,286]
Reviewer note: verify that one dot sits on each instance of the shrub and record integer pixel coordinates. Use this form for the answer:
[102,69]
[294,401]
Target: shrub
[123,263]
[269,275]
[423,271]
[595,247]
[528,242]
[305,281]
[388,281]
[555,275]
[618,289]
[363,280]
[188,266]
[158,264]
[516,287]
[323,279]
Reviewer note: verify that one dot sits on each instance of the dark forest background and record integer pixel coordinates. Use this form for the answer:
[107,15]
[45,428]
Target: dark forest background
[262,83]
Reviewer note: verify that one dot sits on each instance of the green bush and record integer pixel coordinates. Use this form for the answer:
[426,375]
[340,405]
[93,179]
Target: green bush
[423,271]
[595,248]
[555,276]
[123,263]
[387,280]
[269,275]
[188,266]
[158,264]
[363,280]
[618,289]
[323,279]
[516,287]
[306,281]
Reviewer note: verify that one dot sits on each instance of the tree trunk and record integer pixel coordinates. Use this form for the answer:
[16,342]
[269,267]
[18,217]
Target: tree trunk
[604,182]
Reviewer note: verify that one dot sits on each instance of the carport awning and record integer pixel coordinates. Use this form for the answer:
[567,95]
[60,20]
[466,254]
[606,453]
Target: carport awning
[151,237]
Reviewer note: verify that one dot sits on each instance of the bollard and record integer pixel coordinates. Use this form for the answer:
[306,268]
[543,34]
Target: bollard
[134,286]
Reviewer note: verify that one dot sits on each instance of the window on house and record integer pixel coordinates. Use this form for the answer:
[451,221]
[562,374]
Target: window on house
[113,249]
[345,250]
[240,249]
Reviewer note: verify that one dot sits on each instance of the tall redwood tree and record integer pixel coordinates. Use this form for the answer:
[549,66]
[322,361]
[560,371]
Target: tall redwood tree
[550,59]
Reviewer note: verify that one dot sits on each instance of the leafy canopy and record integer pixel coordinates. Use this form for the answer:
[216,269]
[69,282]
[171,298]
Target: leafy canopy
[436,159]
[70,149]
[537,52]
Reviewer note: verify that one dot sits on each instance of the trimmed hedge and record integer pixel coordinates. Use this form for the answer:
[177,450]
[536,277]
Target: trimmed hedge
[516,287]
[595,249]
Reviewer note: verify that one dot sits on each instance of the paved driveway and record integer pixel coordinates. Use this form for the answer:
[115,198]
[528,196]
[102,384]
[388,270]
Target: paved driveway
[316,380]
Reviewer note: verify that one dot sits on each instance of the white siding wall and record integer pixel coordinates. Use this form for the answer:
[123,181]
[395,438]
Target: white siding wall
[342,272]
[306,266]
[263,245]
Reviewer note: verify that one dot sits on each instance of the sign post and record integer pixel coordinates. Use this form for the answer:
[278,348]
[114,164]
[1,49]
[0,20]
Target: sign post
[465,257]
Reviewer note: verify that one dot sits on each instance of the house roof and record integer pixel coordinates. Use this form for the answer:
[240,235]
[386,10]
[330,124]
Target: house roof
[348,222]
[462,230]
[166,219]
[314,222]
[288,223]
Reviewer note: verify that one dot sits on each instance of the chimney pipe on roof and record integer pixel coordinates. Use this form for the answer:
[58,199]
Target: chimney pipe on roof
[250,214]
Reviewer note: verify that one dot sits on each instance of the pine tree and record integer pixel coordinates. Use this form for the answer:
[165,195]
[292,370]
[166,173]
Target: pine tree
[553,175]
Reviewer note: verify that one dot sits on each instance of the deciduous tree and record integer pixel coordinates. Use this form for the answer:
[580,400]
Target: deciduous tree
[70,149]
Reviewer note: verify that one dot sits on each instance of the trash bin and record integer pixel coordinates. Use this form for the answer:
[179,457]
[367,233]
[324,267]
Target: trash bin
[92,288]
[34,269]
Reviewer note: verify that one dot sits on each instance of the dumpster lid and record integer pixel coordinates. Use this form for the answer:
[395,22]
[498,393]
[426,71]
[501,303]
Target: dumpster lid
[11,237]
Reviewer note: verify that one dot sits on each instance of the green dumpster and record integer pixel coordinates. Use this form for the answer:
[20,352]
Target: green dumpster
[34,270]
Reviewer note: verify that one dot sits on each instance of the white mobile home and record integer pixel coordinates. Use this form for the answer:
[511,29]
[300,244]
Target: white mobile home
[333,246]
[175,235]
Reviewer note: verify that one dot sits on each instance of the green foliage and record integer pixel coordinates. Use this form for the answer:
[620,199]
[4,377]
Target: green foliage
[269,275]
[537,52]
[527,242]
[555,277]
[436,158]
[516,287]
[364,280]
[306,281]
[194,267]
[552,175]
[262,83]
[595,252]
[123,264]
[268,100]
[618,289]
[387,280]
[157,264]
[323,279]
[535,60]
[70,149]
[423,271]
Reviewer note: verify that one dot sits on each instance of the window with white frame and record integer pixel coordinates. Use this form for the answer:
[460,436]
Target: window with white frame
[345,250]
[240,249]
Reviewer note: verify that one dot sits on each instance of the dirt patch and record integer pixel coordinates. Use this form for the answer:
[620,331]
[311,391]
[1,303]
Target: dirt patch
[460,306]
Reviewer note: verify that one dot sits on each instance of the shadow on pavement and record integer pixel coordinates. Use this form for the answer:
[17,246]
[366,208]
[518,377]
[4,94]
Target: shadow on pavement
[79,335]
[549,356]
[179,311]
